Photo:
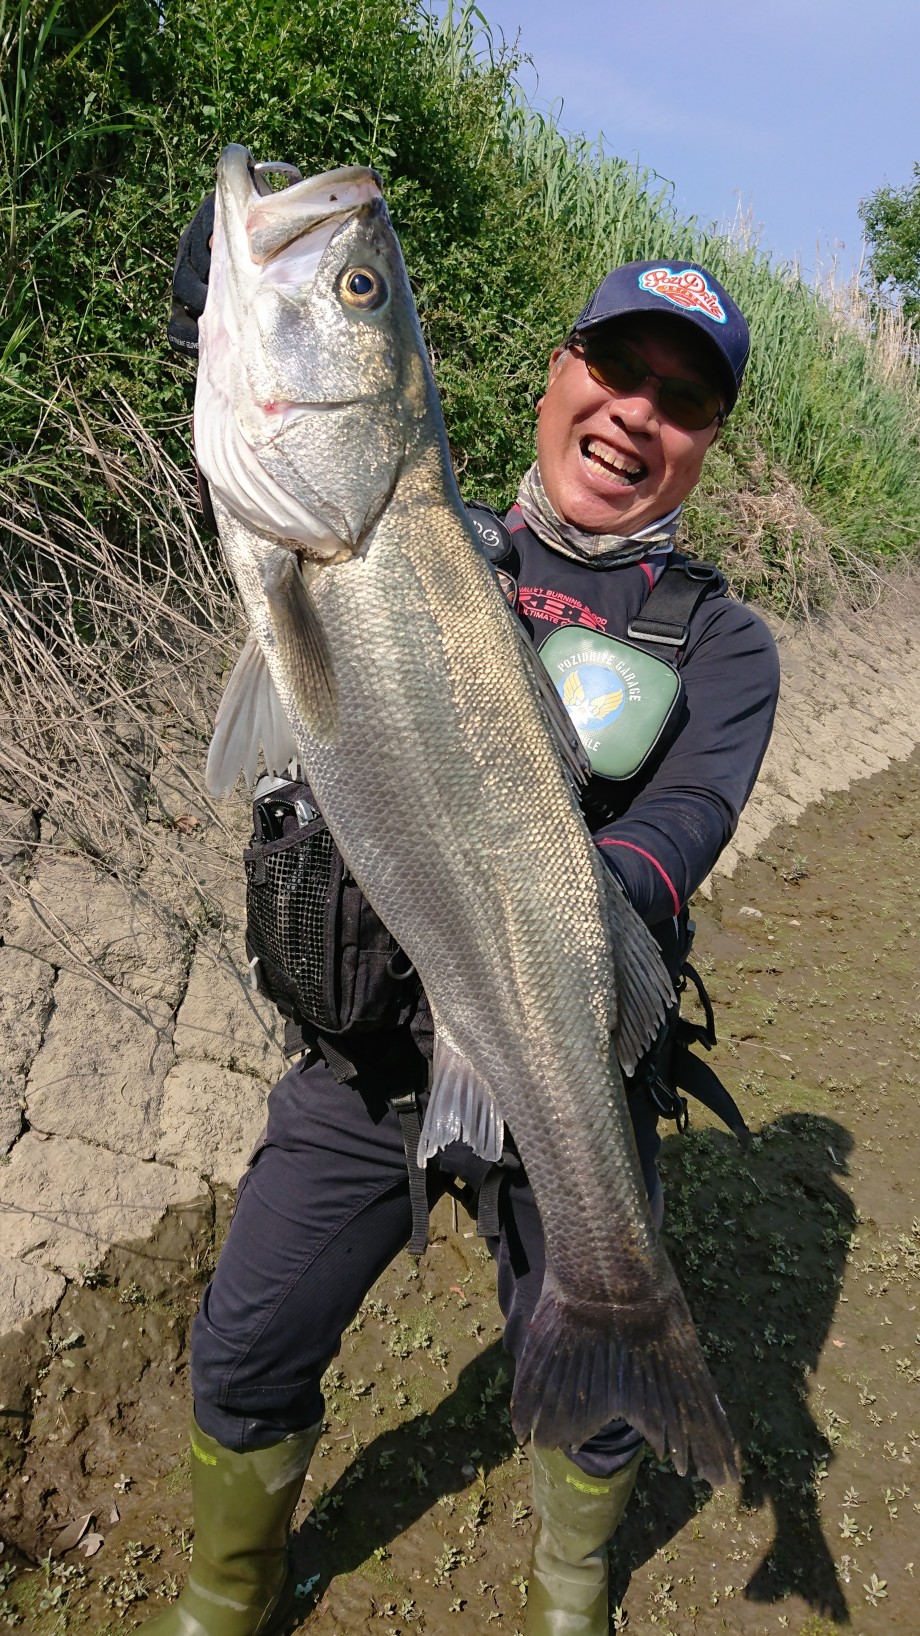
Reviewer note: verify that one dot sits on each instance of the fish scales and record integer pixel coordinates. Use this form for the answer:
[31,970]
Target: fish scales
[466,821]
[438,773]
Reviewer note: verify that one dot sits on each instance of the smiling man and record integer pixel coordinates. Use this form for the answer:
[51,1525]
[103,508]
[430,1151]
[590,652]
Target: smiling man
[672,687]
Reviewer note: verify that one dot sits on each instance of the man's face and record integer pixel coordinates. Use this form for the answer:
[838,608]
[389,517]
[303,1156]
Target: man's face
[610,462]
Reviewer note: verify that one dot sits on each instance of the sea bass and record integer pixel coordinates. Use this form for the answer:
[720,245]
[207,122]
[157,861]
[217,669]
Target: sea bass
[384,657]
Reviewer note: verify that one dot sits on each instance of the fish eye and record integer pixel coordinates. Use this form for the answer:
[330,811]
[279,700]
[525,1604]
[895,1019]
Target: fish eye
[361,287]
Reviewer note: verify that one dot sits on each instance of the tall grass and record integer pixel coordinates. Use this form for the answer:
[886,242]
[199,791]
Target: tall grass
[113,609]
[111,120]
[834,405]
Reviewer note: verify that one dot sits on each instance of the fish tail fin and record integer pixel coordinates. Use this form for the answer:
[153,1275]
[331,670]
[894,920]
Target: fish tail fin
[580,1370]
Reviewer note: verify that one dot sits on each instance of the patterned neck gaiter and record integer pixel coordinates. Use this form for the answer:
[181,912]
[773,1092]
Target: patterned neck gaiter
[656,539]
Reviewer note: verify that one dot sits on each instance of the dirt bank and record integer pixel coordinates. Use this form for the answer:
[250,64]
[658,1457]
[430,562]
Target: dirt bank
[801,1260]
[849,705]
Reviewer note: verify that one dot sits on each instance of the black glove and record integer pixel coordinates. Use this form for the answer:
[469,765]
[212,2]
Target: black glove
[190,280]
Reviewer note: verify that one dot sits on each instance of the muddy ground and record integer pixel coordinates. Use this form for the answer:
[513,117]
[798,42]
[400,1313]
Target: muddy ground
[801,1261]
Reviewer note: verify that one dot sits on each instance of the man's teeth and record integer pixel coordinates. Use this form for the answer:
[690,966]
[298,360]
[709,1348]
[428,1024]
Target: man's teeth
[631,471]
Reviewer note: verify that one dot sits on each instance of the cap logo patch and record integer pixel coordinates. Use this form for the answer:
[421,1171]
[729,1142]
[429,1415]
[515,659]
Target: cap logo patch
[687,289]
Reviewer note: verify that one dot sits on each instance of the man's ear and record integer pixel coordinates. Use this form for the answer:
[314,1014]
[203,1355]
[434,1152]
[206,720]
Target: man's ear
[555,357]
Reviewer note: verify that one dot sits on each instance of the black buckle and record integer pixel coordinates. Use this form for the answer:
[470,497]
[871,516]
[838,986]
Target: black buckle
[694,1032]
[644,631]
[391,967]
[670,1103]
[702,571]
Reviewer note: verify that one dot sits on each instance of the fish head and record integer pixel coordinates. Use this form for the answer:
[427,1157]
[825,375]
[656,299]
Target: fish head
[314,387]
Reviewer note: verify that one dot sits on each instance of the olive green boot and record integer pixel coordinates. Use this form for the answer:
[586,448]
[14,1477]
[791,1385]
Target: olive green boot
[239,1583]
[576,1515]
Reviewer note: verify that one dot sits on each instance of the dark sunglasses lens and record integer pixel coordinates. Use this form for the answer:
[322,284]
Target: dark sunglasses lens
[616,366]
[688,403]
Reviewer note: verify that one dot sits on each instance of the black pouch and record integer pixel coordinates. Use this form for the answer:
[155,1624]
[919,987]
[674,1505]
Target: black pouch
[316,948]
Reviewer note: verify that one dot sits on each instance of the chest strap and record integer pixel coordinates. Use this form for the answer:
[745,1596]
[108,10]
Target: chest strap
[664,619]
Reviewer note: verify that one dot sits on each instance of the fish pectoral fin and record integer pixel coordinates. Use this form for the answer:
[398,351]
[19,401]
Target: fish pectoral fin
[575,757]
[301,642]
[644,994]
[461,1109]
[249,714]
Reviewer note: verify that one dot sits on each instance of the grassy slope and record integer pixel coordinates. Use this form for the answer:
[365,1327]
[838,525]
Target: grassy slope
[111,140]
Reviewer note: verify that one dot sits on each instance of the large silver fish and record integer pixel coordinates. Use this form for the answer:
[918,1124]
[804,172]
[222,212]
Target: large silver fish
[384,656]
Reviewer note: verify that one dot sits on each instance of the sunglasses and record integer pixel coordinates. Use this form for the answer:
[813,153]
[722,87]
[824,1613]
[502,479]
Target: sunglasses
[614,364]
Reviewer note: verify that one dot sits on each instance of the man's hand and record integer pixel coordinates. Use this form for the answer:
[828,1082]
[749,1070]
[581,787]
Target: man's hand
[190,280]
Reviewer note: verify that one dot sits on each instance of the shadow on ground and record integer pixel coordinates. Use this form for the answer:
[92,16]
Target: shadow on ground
[760,1244]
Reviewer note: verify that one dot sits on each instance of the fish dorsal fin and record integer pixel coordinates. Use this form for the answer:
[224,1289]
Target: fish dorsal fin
[461,1109]
[249,714]
[644,995]
[574,755]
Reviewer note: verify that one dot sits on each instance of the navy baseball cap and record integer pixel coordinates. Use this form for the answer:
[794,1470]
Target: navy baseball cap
[683,290]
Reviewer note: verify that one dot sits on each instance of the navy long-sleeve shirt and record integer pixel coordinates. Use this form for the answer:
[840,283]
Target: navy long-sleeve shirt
[663,833]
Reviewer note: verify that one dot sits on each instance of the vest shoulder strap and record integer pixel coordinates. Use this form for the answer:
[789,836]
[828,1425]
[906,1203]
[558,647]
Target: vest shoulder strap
[664,620]
[494,534]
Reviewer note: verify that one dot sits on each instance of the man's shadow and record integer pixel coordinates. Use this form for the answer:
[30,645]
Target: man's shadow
[759,1242]
[396,1479]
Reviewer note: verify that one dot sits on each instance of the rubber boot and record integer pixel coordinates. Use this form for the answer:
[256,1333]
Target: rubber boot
[239,1583]
[576,1515]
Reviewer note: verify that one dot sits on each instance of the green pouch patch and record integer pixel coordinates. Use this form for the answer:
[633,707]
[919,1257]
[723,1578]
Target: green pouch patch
[621,700]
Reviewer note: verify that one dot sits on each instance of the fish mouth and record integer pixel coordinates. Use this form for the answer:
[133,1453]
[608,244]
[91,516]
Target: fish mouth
[312,210]
[610,465]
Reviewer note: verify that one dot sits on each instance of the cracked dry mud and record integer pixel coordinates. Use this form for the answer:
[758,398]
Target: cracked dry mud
[801,1261]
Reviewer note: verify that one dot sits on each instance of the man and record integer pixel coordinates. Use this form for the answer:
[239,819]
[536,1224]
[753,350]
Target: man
[634,400]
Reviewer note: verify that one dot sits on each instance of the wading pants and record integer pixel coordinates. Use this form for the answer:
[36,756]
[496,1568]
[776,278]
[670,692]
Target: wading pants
[322,1209]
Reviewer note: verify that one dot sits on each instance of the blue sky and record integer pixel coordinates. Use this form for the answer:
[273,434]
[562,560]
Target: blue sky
[798,107]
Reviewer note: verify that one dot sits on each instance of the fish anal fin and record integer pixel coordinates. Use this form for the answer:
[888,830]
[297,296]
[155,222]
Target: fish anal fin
[249,714]
[585,1366]
[644,994]
[301,641]
[461,1109]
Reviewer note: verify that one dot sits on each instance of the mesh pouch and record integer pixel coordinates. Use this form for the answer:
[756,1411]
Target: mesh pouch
[315,945]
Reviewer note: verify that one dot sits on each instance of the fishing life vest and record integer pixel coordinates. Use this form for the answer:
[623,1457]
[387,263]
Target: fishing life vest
[624,696]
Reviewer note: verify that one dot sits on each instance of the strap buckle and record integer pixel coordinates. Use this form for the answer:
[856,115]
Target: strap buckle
[669,1102]
[655,636]
[694,1032]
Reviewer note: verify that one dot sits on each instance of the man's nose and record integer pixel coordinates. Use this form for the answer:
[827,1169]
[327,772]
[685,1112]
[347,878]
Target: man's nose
[638,408]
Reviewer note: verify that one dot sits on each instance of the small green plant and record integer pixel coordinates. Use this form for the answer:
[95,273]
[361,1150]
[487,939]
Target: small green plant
[133,1296]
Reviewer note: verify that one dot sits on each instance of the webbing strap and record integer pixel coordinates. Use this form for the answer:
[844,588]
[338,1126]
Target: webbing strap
[487,1208]
[487,1223]
[410,1123]
[342,1067]
[696,1033]
[664,619]
[695,1076]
